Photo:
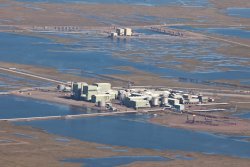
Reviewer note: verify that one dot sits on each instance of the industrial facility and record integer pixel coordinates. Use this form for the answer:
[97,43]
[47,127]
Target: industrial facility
[167,98]
[102,95]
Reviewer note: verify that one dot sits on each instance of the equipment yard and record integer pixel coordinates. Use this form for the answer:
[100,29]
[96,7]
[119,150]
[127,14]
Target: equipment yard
[106,83]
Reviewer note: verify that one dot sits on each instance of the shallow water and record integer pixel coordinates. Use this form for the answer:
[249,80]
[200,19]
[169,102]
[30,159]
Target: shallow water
[132,2]
[229,31]
[94,54]
[245,115]
[114,161]
[131,131]
[239,12]
[128,130]
[19,107]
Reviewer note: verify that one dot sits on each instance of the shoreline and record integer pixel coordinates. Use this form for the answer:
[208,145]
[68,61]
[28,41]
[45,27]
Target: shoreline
[232,126]
[54,151]
[214,123]
[62,98]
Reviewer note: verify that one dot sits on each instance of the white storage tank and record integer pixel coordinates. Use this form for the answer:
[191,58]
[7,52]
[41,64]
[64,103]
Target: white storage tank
[60,87]
[121,95]
[155,101]
[67,89]
[164,100]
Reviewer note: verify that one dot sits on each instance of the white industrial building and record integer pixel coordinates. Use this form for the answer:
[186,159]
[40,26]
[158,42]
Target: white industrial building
[135,98]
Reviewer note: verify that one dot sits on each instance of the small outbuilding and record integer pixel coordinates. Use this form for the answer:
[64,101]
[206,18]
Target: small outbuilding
[113,34]
[120,31]
[128,32]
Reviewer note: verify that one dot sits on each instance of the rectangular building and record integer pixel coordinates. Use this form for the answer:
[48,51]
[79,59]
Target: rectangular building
[120,31]
[128,32]
[100,98]
[103,87]
[89,91]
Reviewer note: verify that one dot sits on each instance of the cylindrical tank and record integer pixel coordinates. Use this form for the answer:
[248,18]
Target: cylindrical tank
[60,87]
[101,103]
[164,100]
[121,96]
[149,98]
[67,89]
[166,94]
[155,101]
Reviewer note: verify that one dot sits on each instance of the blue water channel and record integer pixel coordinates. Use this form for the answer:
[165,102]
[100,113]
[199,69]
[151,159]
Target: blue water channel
[239,12]
[244,115]
[19,107]
[99,54]
[128,130]
[114,161]
[131,2]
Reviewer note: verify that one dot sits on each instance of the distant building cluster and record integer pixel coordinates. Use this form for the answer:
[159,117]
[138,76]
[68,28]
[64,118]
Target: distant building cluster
[144,98]
[122,32]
